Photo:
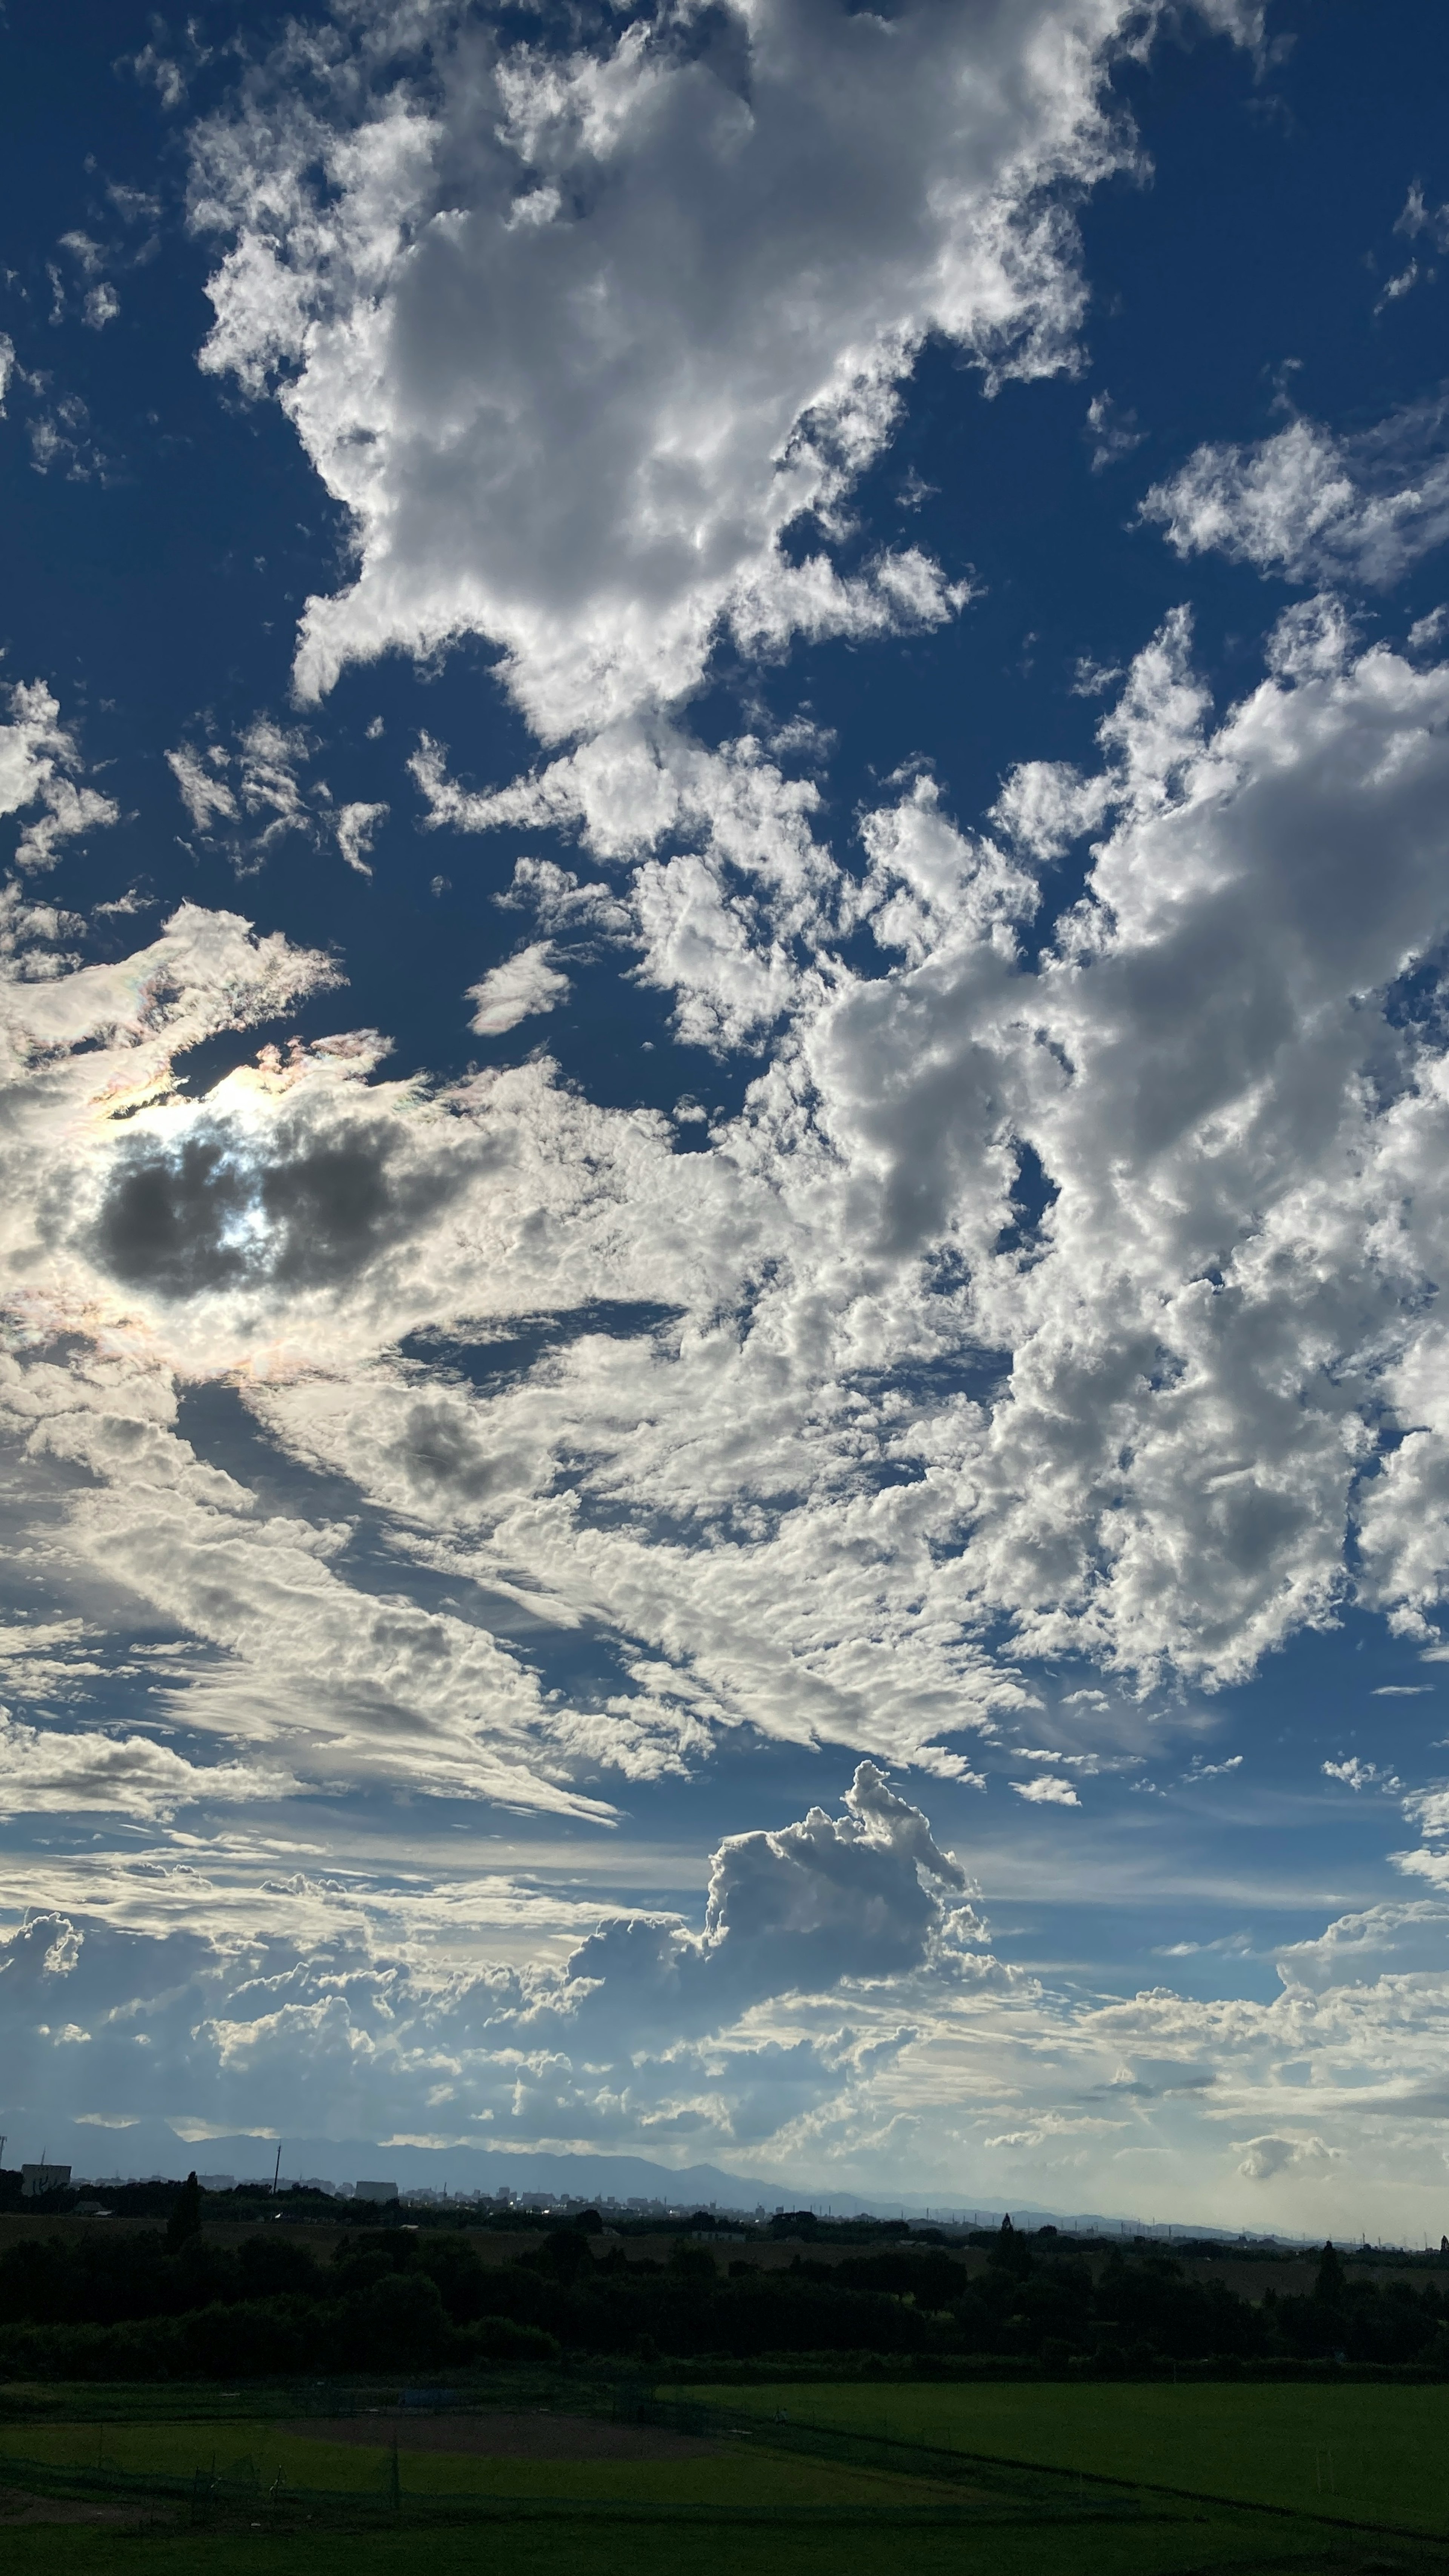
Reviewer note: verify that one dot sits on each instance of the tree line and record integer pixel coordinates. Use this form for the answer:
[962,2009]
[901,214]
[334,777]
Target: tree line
[173,2303]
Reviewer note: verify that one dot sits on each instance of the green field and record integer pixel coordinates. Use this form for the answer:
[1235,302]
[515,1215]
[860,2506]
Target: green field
[1368,2454]
[1374,2454]
[267,2453]
[1236,2545]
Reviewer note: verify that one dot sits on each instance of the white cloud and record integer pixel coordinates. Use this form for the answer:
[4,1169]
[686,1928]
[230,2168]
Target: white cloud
[1111,432]
[204,791]
[1266,2158]
[60,435]
[471,292]
[835,2011]
[1359,1951]
[289,1994]
[257,784]
[812,1479]
[1040,1300]
[1398,286]
[860,1896]
[720,923]
[1314,505]
[559,902]
[521,986]
[44,1770]
[1357,1774]
[1420,222]
[1429,1808]
[357,824]
[1090,1763]
[247,796]
[38,760]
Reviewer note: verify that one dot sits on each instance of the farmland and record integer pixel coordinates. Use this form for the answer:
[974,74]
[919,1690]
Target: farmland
[1367,2454]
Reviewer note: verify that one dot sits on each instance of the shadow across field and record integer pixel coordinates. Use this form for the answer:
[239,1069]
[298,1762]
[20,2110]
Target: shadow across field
[500,2436]
[625,2461]
[634,2480]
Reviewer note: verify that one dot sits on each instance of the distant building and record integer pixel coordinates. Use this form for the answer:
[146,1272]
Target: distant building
[217,2182]
[374,2191]
[37,2180]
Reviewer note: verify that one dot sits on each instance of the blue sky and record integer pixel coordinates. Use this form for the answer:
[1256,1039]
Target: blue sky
[722,776]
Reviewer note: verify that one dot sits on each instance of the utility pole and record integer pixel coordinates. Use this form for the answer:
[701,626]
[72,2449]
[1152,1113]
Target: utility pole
[277,2169]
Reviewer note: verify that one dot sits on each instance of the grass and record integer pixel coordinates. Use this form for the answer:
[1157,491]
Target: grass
[1263,2445]
[1371,2455]
[1235,2544]
[266,2453]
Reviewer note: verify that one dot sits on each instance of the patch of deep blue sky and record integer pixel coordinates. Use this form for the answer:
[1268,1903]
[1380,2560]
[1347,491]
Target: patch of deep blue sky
[156,586]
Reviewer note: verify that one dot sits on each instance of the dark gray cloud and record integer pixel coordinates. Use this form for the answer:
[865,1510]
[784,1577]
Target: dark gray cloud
[211,1214]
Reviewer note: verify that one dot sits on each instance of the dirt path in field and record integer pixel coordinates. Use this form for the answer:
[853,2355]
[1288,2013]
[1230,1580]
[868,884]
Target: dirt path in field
[509,2437]
[17,2509]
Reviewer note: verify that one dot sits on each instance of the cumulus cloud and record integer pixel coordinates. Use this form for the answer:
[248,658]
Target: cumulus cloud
[470,287]
[256,785]
[238,1995]
[47,1770]
[516,990]
[1361,1950]
[1186,998]
[1014,1287]
[642,2024]
[357,825]
[1111,432]
[1421,223]
[801,1910]
[1265,2159]
[1429,1808]
[1062,1286]
[721,921]
[248,795]
[204,791]
[1357,1774]
[38,764]
[1314,505]
[213,1214]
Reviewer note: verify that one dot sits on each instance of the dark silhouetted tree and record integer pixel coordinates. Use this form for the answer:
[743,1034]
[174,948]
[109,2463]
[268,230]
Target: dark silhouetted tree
[185,2219]
[1330,2287]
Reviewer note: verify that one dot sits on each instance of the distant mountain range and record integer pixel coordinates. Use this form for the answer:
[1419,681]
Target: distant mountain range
[154,2147]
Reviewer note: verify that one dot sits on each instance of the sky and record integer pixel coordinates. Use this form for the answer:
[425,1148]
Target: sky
[724,992]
